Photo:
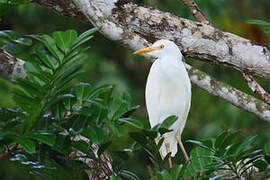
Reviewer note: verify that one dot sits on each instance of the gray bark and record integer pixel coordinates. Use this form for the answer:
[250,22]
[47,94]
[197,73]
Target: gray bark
[126,22]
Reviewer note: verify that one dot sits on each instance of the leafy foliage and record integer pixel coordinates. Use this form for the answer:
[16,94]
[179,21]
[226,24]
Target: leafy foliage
[58,123]
[51,110]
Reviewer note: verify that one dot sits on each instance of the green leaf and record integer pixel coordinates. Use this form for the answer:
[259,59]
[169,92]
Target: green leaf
[220,139]
[232,149]
[7,133]
[200,158]
[27,103]
[32,89]
[138,137]
[23,41]
[64,40]
[54,100]
[37,66]
[117,129]
[189,170]
[160,142]
[46,138]
[81,42]
[7,114]
[261,165]
[83,38]
[129,175]
[258,22]
[82,91]
[228,141]
[77,123]
[46,58]
[266,30]
[175,171]
[114,178]
[95,134]
[132,122]
[69,103]
[267,149]
[164,175]
[150,133]
[199,143]
[103,147]
[66,78]
[62,143]
[27,144]
[245,144]
[50,43]
[209,143]
[58,110]
[99,90]
[37,73]
[81,146]
[118,108]
[159,176]
[168,122]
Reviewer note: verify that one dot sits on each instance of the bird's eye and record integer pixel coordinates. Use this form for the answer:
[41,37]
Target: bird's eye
[161,46]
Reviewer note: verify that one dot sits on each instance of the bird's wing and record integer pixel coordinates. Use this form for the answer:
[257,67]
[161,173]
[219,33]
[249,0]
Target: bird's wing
[152,93]
[174,99]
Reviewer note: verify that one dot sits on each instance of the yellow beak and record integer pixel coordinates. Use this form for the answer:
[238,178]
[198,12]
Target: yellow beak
[146,50]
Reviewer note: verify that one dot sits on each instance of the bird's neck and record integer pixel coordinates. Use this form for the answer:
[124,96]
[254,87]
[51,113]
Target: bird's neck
[170,61]
[170,66]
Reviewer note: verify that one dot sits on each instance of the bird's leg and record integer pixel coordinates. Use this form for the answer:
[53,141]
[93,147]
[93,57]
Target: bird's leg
[167,145]
[178,137]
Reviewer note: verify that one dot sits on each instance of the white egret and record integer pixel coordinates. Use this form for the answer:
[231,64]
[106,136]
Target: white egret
[168,92]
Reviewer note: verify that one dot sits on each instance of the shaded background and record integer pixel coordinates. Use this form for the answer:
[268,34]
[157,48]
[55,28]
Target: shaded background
[111,63]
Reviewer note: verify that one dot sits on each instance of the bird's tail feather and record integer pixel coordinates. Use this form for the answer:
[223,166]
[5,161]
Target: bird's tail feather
[171,139]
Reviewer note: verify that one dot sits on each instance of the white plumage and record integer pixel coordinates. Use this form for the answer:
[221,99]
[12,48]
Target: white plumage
[168,92]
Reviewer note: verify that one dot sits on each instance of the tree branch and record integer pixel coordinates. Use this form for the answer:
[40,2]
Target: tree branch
[252,83]
[229,93]
[99,169]
[204,81]
[196,12]
[126,22]
[256,87]
[10,66]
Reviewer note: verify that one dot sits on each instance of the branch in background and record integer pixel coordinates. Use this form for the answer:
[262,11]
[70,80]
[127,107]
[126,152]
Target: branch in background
[229,93]
[256,87]
[126,22]
[217,88]
[195,10]
[10,66]
[99,169]
[253,85]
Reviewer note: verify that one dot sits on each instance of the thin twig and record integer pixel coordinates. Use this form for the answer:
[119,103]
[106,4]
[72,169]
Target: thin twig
[196,12]
[256,87]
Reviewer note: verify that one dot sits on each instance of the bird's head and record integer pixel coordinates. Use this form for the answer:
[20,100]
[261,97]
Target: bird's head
[160,49]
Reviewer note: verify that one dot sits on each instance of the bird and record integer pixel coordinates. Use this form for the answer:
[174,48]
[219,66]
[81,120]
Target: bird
[167,92]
